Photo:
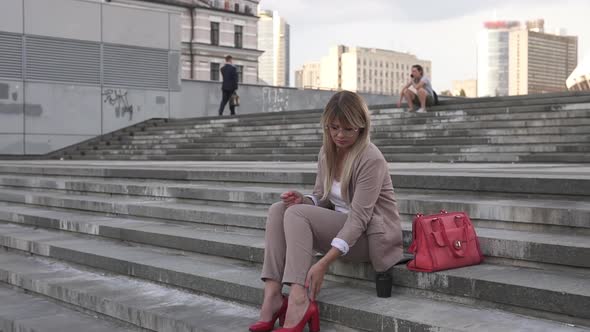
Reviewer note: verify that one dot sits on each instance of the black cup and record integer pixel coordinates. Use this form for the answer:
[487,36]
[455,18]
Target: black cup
[383,281]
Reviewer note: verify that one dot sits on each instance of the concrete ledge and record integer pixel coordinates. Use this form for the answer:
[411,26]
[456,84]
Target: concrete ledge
[563,250]
[538,179]
[229,279]
[20,312]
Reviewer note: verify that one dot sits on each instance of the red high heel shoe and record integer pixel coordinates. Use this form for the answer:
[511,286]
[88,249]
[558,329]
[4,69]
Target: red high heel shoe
[311,316]
[261,326]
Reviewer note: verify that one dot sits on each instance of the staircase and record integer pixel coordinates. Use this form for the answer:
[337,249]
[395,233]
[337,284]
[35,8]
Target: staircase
[177,246]
[540,128]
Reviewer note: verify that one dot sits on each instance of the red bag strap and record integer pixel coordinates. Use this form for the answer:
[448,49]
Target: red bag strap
[414,243]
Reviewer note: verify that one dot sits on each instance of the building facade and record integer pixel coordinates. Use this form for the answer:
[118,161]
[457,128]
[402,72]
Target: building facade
[493,58]
[465,88]
[517,59]
[540,62]
[274,41]
[212,29]
[366,70]
[73,69]
[308,77]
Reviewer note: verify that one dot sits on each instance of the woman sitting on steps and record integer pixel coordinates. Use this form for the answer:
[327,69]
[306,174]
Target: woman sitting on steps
[352,213]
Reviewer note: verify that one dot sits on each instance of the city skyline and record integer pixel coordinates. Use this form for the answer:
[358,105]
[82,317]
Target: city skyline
[377,23]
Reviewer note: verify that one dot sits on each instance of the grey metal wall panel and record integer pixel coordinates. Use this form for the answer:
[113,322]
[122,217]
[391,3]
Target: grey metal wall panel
[60,60]
[11,52]
[135,67]
[174,71]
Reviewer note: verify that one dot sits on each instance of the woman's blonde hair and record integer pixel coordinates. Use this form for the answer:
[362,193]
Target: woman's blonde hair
[351,111]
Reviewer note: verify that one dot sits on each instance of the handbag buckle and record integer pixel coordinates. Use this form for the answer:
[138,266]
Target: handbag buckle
[458,244]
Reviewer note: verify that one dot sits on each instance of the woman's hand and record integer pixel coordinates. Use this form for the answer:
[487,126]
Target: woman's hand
[315,278]
[292,197]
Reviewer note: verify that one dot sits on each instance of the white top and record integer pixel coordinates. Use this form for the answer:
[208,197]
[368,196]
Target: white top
[340,204]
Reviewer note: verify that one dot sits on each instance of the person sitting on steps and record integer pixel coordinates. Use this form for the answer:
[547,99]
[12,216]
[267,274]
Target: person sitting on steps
[418,90]
[352,213]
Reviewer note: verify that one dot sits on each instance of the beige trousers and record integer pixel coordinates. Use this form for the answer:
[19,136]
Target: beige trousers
[291,236]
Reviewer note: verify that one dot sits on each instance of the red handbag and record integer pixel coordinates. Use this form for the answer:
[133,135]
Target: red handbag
[443,241]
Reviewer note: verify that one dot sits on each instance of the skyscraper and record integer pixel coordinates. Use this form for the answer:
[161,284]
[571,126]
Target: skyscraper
[493,58]
[515,59]
[273,39]
[540,62]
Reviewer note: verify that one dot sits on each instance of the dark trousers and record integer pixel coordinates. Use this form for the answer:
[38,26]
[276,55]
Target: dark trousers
[226,96]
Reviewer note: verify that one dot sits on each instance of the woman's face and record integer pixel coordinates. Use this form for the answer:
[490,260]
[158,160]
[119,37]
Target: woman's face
[343,136]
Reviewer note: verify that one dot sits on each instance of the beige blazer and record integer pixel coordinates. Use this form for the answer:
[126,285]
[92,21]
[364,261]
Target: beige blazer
[373,208]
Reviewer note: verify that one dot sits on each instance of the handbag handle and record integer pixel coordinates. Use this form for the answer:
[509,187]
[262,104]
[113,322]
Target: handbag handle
[458,252]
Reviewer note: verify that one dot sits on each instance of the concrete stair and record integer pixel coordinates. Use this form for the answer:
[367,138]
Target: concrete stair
[553,128]
[177,246]
[22,312]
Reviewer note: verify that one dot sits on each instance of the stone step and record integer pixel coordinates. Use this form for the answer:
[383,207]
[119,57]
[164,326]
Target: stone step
[513,101]
[506,246]
[467,108]
[385,124]
[382,122]
[252,220]
[23,312]
[458,111]
[502,113]
[141,304]
[419,133]
[504,207]
[411,157]
[233,217]
[344,304]
[564,157]
[531,179]
[382,143]
[521,148]
[238,144]
[132,128]
[386,138]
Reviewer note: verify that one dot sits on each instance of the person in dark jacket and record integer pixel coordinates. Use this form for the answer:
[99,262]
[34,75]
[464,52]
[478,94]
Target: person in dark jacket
[229,86]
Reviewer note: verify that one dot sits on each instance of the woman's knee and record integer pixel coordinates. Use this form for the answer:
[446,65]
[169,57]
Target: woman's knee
[276,213]
[278,207]
[295,214]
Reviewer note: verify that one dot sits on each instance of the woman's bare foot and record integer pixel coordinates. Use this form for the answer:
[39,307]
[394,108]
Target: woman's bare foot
[273,300]
[298,303]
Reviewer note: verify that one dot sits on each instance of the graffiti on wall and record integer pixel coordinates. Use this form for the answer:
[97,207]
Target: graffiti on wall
[117,98]
[275,100]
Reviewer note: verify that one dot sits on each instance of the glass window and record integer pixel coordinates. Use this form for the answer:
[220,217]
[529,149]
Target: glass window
[238,36]
[240,70]
[214,33]
[215,71]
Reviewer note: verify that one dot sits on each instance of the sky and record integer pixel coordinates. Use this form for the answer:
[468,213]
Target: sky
[444,32]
